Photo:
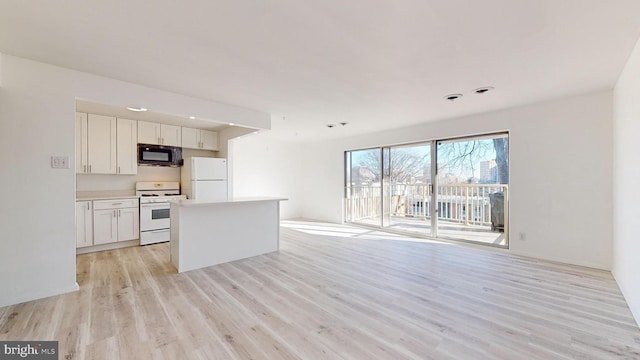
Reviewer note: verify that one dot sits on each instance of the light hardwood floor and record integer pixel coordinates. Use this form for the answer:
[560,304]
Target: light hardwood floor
[333,292]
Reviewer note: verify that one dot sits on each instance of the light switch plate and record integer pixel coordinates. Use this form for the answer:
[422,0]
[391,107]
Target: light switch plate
[60,162]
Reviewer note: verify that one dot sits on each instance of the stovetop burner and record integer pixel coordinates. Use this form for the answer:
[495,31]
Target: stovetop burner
[157,192]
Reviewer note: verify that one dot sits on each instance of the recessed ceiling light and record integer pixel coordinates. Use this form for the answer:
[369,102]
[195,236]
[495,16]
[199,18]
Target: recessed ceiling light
[330,125]
[231,124]
[453,97]
[483,90]
[343,123]
[136,108]
[192,117]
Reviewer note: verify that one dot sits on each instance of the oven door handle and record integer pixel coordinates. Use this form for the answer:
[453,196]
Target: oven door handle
[155,205]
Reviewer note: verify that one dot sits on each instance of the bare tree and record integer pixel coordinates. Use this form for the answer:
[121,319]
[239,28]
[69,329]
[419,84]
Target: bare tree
[463,157]
[405,165]
[459,158]
[457,161]
[501,146]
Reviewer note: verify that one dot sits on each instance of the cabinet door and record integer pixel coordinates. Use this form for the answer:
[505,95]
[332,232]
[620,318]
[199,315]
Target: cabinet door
[127,147]
[101,141]
[105,226]
[209,140]
[84,224]
[148,133]
[190,138]
[171,135]
[81,143]
[128,224]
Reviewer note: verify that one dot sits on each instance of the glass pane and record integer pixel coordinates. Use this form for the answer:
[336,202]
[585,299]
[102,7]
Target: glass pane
[160,214]
[155,155]
[386,195]
[362,193]
[473,178]
[410,188]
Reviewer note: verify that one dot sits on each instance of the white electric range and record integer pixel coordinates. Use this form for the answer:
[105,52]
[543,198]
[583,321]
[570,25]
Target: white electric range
[155,221]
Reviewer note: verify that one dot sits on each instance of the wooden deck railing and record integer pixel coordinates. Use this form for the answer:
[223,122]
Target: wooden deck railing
[467,204]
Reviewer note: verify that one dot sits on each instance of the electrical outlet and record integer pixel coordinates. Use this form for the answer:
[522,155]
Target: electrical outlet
[60,162]
[522,236]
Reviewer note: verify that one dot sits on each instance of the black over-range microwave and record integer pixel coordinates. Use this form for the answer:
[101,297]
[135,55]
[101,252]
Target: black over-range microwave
[159,155]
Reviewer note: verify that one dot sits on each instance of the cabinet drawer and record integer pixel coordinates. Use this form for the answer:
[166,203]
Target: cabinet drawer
[114,204]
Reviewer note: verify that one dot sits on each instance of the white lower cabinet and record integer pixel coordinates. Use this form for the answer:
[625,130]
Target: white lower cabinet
[107,221]
[84,224]
[105,227]
[128,224]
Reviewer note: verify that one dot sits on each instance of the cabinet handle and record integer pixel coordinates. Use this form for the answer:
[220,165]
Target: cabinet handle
[89,168]
[118,213]
[118,203]
[88,206]
[84,168]
[114,213]
[118,169]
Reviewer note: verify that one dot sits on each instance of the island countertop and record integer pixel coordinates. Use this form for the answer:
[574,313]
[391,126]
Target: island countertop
[189,202]
[207,233]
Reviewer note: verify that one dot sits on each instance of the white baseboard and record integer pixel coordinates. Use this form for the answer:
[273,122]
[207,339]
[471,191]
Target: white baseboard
[110,246]
[41,294]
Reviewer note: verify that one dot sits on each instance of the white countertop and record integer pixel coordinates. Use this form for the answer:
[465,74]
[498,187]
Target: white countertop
[104,195]
[221,202]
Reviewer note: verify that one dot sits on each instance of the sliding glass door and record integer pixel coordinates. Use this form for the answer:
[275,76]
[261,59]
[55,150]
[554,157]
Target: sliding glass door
[472,189]
[363,194]
[409,199]
[455,189]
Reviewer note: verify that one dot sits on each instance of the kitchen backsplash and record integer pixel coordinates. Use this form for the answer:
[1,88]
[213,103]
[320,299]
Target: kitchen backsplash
[93,182]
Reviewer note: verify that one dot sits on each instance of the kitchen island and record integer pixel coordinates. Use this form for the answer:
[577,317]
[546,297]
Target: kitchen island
[206,233]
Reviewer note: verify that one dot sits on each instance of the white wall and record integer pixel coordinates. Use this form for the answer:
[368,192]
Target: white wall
[96,182]
[560,174]
[263,165]
[626,190]
[37,112]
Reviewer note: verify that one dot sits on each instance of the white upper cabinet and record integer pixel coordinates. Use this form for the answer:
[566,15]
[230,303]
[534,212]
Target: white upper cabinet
[127,147]
[101,144]
[190,138]
[105,145]
[199,139]
[82,162]
[209,140]
[148,133]
[171,135]
[159,134]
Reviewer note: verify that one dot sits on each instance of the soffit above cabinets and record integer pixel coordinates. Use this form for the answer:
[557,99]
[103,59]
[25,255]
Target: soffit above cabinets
[121,112]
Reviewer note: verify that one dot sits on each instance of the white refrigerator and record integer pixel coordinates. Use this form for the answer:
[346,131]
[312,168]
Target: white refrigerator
[204,178]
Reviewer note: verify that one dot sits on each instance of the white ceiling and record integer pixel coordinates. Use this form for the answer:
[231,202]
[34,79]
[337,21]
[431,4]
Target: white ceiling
[376,64]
